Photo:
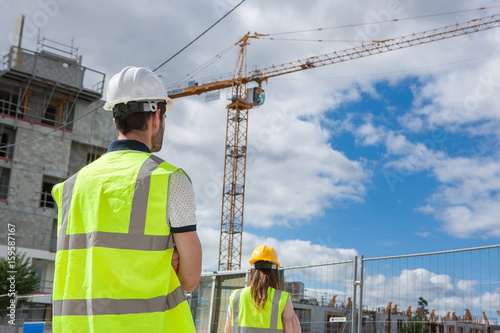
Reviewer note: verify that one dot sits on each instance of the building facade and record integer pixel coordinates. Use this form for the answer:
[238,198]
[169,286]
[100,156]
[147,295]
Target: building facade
[51,125]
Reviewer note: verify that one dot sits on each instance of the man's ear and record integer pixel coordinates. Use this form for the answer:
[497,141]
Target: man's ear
[156,119]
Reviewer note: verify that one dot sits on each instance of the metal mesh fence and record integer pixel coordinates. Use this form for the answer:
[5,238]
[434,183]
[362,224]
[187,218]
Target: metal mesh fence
[441,292]
[30,309]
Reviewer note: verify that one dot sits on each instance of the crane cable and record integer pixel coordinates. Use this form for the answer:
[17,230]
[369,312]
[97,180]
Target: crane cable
[266,37]
[204,32]
[385,21]
[202,67]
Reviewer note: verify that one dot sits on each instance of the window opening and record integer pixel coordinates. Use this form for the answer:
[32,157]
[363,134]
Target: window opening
[94,153]
[53,237]
[8,103]
[46,199]
[49,116]
[4,183]
[6,138]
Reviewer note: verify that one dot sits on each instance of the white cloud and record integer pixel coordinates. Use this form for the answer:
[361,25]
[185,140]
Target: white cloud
[369,134]
[293,172]
[424,234]
[292,252]
[459,100]
[467,199]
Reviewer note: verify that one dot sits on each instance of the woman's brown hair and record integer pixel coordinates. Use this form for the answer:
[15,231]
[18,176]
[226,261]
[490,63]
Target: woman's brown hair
[260,280]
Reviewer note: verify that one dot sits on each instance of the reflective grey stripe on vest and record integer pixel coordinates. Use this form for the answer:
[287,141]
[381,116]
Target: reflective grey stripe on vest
[141,193]
[68,187]
[276,308]
[135,239]
[116,241]
[110,306]
[256,330]
[275,312]
[236,311]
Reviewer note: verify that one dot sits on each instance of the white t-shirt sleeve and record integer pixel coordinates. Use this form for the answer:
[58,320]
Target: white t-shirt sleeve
[181,204]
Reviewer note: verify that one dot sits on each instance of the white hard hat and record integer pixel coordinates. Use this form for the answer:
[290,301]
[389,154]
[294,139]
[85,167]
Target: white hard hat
[137,84]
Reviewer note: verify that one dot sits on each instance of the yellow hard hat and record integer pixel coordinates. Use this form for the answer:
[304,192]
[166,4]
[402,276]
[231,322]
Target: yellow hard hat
[264,253]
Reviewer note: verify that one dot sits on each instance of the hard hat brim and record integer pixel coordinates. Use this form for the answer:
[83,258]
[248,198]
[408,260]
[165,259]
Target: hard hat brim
[170,102]
[252,261]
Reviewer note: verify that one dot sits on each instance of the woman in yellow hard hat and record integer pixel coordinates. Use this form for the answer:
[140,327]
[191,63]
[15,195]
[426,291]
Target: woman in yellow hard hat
[262,305]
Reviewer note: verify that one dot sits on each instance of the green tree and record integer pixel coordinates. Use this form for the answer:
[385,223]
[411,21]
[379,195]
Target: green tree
[416,323]
[422,304]
[23,280]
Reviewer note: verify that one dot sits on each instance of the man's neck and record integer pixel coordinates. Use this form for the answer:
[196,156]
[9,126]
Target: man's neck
[141,136]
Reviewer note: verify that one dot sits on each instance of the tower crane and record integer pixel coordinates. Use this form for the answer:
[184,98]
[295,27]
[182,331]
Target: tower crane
[242,100]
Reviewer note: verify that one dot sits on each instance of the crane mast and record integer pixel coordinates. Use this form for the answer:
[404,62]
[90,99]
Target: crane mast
[238,109]
[233,194]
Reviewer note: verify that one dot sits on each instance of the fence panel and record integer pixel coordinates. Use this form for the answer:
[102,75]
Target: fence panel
[448,291]
[29,309]
[210,299]
[319,293]
[322,292]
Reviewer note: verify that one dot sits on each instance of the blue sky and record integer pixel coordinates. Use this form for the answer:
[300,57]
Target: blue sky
[387,221]
[391,154]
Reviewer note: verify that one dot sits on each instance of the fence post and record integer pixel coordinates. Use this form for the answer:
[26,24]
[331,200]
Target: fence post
[353,310]
[361,284]
[211,309]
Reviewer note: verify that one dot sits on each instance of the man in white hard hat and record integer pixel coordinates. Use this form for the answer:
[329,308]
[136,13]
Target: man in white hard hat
[127,242]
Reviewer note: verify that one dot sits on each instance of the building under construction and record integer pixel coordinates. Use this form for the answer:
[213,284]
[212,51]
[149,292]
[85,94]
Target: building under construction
[42,94]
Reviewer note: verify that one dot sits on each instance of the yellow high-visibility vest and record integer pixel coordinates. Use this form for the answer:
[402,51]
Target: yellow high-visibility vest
[113,268]
[246,318]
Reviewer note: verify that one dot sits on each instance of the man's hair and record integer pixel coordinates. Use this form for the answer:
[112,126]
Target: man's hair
[136,121]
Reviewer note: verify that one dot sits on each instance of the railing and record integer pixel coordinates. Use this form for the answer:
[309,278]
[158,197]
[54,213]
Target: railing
[34,114]
[7,108]
[4,62]
[55,68]
[45,287]
[6,153]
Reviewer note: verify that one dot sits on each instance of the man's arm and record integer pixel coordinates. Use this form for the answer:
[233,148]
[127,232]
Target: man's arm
[189,248]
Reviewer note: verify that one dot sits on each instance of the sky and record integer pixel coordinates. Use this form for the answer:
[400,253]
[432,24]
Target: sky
[390,154]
